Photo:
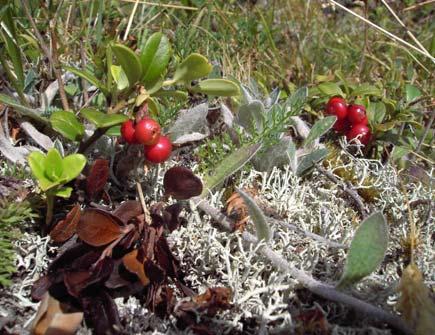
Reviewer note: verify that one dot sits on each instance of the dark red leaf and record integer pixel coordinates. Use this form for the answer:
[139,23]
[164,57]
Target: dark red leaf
[97,227]
[66,228]
[171,216]
[67,257]
[128,210]
[101,314]
[154,272]
[165,259]
[181,183]
[41,286]
[97,177]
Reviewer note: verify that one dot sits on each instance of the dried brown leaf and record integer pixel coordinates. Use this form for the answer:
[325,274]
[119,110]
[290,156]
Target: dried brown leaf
[181,183]
[133,265]
[98,228]
[128,210]
[66,228]
[50,319]
[415,303]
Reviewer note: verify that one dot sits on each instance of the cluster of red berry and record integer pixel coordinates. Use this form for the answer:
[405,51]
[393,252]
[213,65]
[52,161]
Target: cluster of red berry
[351,120]
[157,147]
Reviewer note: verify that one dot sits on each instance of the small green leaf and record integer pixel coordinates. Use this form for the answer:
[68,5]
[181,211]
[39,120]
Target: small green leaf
[366,89]
[53,165]
[386,126]
[228,166]
[176,94]
[87,75]
[217,87]
[119,77]
[64,192]
[320,128]
[114,131]
[277,155]
[195,66]
[367,250]
[376,112]
[67,124]
[72,166]
[308,161]
[412,93]
[103,120]
[296,101]
[257,216]
[15,56]
[36,161]
[155,58]
[129,62]
[330,89]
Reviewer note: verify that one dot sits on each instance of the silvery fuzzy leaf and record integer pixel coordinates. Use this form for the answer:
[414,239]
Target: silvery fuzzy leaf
[273,98]
[277,155]
[227,115]
[251,116]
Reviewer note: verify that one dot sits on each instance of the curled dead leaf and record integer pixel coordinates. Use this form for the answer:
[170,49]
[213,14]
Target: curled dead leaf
[98,228]
[181,183]
[66,228]
[132,264]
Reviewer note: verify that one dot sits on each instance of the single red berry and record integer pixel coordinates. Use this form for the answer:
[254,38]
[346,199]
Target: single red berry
[160,151]
[337,106]
[147,131]
[357,114]
[341,126]
[360,131]
[127,132]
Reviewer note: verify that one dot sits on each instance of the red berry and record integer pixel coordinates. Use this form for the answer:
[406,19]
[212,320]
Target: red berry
[160,151]
[357,114]
[337,106]
[147,131]
[127,132]
[360,131]
[341,126]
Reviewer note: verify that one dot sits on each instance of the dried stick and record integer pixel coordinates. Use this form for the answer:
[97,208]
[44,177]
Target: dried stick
[347,188]
[326,291]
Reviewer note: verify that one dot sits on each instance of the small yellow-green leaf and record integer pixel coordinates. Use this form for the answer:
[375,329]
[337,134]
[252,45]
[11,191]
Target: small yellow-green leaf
[412,93]
[155,58]
[195,66]
[53,165]
[64,192]
[367,250]
[330,89]
[129,62]
[366,89]
[72,166]
[114,131]
[228,166]
[119,77]
[218,87]
[103,120]
[67,124]
[36,162]
[176,94]
[87,75]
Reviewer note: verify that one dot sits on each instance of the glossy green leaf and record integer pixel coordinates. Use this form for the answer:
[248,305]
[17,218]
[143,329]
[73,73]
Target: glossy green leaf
[64,192]
[257,216]
[36,161]
[330,89]
[195,66]
[119,77]
[155,58]
[114,131]
[53,165]
[30,112]
[319,129]
[67,124]
[228,166]
[412,93]
[176,94]
[217,87]
[103,120]
[129,62]
[72,166]
[367,250]
[308,161]
[87,75]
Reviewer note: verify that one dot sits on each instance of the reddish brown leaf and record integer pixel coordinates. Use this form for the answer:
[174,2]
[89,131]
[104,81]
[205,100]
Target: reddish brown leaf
[66,228]
[97,177]
[97,227]
[181,183]
[214,299]
[133,265]
[128,210]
